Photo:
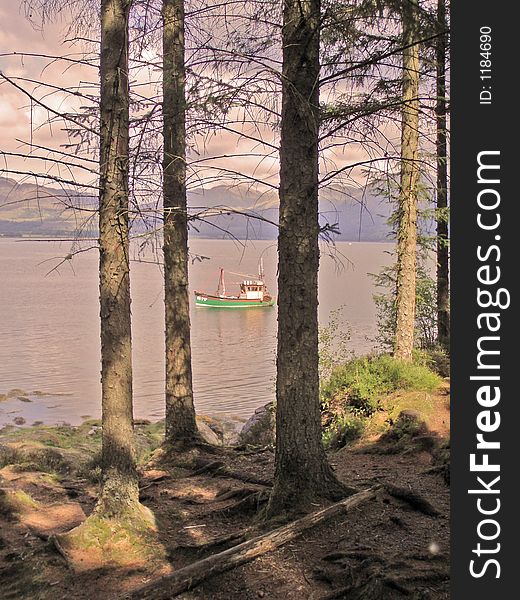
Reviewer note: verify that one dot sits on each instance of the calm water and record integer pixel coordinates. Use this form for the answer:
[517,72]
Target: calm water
[49,328]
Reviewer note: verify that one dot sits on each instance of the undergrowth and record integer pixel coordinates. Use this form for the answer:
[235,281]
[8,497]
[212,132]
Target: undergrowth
[355,390]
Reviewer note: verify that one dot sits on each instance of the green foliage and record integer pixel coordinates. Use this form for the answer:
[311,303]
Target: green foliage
[425,309]
[333,339]
[360,383]
[356,389]
[426,288]
[346,428]
[436,359]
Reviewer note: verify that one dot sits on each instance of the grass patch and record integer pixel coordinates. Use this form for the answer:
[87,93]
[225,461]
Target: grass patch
[362,382]
[361,389]
[67,450]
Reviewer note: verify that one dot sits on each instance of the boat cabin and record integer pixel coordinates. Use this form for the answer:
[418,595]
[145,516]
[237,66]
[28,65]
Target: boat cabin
[252,289]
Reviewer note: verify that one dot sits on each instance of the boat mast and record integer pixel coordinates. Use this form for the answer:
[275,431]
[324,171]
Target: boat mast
[261,269]
[221,289]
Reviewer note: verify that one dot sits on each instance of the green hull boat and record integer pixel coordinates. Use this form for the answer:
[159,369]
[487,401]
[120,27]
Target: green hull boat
[253,294]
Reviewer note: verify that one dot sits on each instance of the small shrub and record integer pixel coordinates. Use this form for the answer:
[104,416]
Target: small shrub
[436,359]
[344,429]
[333,340]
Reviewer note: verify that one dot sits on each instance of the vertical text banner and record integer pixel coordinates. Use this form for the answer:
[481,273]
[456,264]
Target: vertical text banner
[485,332]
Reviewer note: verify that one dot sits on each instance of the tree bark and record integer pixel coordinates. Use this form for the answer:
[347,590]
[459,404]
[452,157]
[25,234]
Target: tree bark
[189,577]
[301,468]
[120,484]
[443,285]
[407,209]
[181,426]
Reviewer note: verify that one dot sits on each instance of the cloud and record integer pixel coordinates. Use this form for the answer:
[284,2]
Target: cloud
[22,121]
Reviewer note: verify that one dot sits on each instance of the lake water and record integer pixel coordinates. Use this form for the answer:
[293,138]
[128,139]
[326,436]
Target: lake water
[49,329]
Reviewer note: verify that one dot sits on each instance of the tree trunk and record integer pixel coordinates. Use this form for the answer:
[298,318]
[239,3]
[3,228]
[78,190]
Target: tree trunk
[120,484]
[181,426]
[407,209]
[301,468]
[443,285]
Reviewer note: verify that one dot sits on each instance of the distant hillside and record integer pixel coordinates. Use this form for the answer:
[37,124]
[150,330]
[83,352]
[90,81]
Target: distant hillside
[34,210]
[30,210]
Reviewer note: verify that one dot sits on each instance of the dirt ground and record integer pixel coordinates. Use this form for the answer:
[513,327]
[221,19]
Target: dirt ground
[387,548]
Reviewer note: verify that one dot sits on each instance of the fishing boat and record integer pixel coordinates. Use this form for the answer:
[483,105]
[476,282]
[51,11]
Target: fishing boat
[253,294]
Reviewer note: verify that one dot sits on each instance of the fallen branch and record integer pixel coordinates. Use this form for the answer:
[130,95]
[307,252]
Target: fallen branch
[189,577]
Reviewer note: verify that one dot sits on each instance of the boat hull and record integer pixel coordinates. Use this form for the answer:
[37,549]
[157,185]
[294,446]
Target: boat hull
[226,302]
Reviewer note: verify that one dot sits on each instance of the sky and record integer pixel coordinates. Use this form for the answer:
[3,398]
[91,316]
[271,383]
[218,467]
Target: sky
[23,121]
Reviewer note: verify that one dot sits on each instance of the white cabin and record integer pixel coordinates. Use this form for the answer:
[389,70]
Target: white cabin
[252,289]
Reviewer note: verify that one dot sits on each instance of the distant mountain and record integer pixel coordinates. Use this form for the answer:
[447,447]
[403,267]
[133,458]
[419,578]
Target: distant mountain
[30,210]
[35,210]
[358,217]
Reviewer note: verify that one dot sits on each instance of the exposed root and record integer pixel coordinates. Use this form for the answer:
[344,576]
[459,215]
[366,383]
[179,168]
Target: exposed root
[189,577]
[247,450]
[364,574]
[252,503]
[218,469]
[239,493]
[413,499]
[186,456]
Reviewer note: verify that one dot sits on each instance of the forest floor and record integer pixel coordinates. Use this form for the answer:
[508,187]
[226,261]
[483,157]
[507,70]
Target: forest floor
[386,548]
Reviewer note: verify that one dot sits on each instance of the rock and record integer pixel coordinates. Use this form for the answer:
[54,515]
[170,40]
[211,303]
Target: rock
[23,399]
[15,392]
[19,421]
[259,429]
[216,425]
[411,415]
[208,435]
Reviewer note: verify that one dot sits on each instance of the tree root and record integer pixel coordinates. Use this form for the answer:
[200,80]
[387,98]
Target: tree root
[189,577]
[413,499]
[231,494]
[247,450]
[218,469]
[363,574]
[252,503]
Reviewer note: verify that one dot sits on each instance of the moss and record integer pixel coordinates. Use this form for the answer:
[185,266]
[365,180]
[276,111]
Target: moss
[13,502]
[66,450]
[128,540]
